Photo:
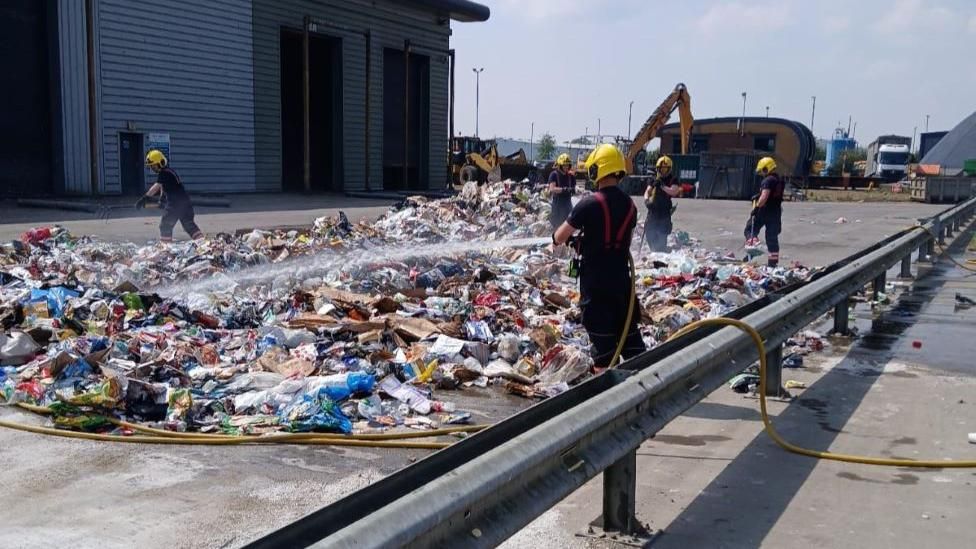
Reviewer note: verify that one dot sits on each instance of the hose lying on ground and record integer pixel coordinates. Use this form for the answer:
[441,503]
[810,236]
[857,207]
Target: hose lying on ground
[161,436]
[773,434]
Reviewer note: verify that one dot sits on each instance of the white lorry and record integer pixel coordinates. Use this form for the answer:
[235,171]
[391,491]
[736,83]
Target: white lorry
[891,161]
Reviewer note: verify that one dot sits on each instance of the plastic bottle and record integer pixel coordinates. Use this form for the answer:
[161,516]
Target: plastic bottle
[340,386]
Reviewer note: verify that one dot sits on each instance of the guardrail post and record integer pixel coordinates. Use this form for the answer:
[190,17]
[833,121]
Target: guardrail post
[940,232]
[774,371]
[620,495]
[906,267]
[878,286]
[841,310]
[948,228]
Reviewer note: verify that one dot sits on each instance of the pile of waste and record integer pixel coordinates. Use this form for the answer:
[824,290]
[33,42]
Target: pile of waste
[341,327]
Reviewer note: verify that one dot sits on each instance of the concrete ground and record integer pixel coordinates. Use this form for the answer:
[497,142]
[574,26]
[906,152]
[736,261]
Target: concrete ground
[247,210]
[712,478]
[810,232]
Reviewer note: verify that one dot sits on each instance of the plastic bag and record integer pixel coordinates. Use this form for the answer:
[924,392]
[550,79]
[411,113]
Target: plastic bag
[17,348]
[311,413]
[565,366]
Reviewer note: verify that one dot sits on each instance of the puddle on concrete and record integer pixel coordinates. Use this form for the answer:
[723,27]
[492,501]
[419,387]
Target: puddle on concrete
[826,426]
[905,479]
[852,476]
[691,440]
[905,440]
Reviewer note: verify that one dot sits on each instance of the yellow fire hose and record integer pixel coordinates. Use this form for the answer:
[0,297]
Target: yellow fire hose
[942,250]
[768,425]
[161,436]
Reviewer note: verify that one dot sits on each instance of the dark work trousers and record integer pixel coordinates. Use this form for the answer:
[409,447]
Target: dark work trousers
[604,313]
[656,231]
[182,212]
[772,220]
[560,211]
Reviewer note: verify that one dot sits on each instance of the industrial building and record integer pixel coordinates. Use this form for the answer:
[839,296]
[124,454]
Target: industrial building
[791,143]
[244,95]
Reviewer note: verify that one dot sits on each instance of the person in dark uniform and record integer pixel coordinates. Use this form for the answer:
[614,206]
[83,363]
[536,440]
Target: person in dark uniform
[657,198]
[607,219]
[562,187]
[174,200]
[767,211]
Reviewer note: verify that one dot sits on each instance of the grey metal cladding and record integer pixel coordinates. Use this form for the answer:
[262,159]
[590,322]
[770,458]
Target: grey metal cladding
[390,24]
[185,68]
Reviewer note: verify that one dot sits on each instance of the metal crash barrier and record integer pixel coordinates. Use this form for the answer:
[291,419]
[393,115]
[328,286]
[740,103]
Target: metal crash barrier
[483,489]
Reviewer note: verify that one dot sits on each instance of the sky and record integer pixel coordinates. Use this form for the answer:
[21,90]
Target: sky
[571,64]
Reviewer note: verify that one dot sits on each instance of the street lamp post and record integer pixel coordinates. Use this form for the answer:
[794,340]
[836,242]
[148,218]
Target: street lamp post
[926,123]
[742,121]
[599,135]
[477,97]
[532,143]
[813,110]
[630,113]
[767,111]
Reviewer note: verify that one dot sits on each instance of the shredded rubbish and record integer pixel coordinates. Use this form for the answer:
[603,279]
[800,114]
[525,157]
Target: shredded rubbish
[341,327]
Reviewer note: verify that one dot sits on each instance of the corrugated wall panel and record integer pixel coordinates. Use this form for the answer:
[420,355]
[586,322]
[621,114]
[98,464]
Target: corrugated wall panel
[74,97]
[185,69]
[390,25]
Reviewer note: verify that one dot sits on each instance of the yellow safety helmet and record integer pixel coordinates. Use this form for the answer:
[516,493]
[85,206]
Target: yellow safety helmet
[664,161]
[564,160]
[605,160]
[155,159]
[766,165]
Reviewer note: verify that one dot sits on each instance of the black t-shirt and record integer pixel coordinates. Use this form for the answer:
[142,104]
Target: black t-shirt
[563,181]
[605,268]
[661,204]
[776,188]
[173,188]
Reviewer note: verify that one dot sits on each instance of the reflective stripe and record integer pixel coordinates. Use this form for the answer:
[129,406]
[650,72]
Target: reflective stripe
[623,228]
[622,231]
[606,217]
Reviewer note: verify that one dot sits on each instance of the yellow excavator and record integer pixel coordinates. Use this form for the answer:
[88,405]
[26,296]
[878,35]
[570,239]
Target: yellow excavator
[678,99]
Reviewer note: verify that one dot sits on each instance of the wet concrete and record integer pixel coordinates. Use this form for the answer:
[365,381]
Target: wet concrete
[875,395]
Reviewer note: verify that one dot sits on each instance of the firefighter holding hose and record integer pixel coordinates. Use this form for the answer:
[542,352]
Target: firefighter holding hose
[607,219]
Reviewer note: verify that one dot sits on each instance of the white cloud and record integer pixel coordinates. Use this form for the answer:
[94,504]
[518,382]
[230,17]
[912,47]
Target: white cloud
[909,15]
[739,16]
[836,23]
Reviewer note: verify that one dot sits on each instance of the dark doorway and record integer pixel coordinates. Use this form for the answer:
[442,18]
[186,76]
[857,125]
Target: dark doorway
[325,107]
[25,112]
[406,116]
[132,167]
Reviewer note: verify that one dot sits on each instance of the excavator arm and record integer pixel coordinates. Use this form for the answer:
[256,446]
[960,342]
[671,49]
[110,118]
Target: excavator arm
[677,99]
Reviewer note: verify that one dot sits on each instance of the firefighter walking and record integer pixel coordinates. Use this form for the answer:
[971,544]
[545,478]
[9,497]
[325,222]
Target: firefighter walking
[174,200]
[767,211]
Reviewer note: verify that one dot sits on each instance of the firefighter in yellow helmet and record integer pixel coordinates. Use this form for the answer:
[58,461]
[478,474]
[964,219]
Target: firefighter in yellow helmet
[657,198]
[607,219]
[562,186]
[174,199]
[767,210]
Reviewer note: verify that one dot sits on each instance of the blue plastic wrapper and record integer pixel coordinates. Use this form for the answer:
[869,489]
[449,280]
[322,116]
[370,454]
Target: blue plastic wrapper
[56,299]
[311,413]
[77,369]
